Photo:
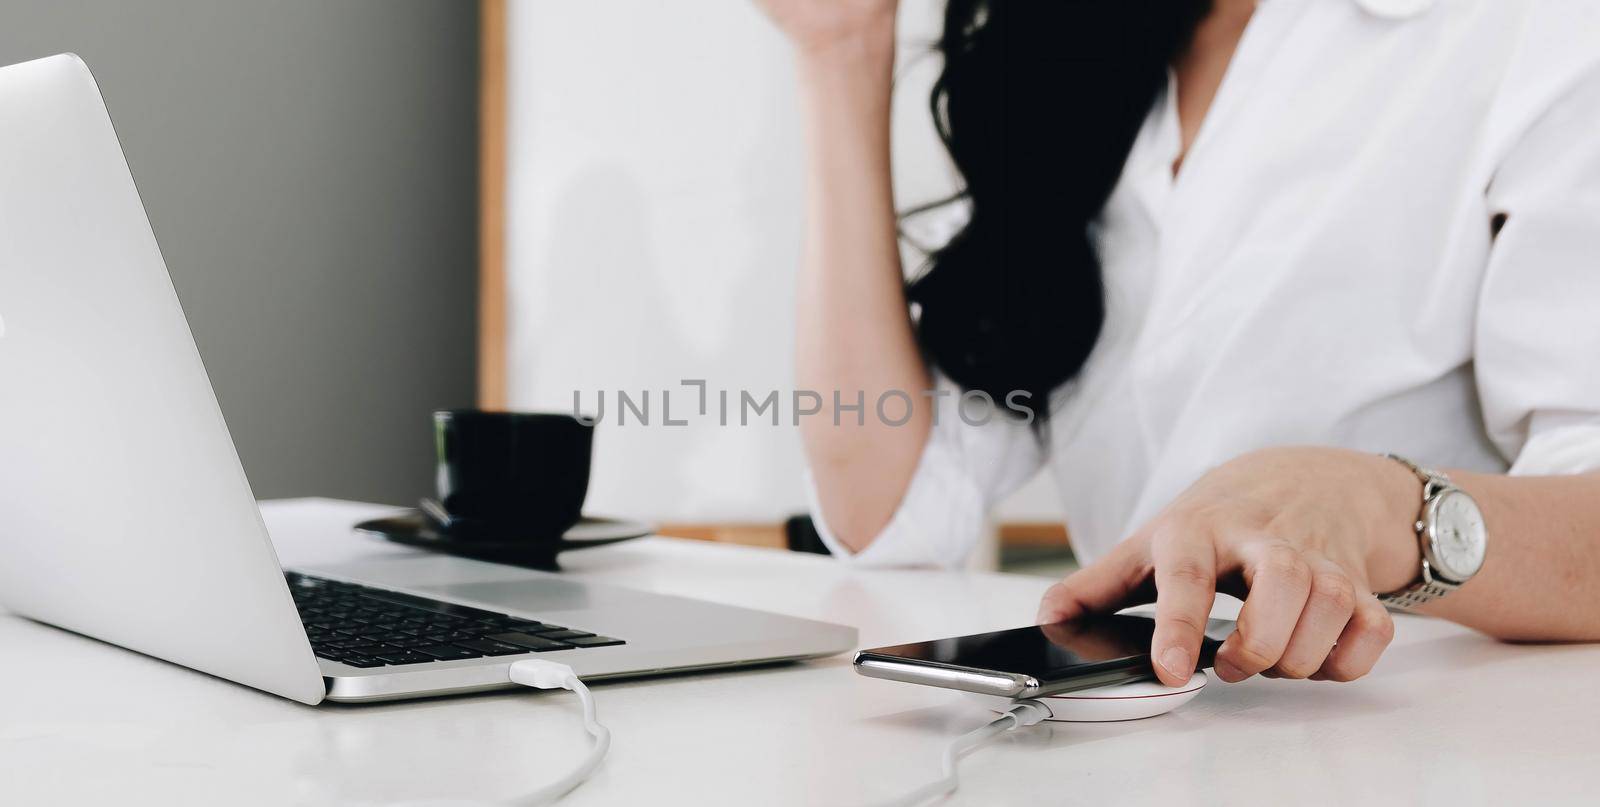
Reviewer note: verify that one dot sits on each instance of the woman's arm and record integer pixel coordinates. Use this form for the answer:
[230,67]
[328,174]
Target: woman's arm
[1541,579]
[854,338]
[1305,536]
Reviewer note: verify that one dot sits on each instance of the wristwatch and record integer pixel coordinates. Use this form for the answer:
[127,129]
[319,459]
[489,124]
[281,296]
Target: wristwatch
[1452,536]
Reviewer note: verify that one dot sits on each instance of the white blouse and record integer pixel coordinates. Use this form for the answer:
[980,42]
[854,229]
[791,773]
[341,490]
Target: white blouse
[1325,270]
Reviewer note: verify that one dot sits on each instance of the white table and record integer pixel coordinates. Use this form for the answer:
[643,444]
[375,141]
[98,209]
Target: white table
[1449,717]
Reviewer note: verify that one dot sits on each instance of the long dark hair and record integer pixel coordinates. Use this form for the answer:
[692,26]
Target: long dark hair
[1038,103]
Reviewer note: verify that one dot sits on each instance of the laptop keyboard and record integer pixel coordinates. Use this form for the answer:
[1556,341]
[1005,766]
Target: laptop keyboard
[372,627]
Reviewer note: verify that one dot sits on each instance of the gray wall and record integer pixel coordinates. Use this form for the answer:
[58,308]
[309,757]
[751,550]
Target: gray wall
[309,167]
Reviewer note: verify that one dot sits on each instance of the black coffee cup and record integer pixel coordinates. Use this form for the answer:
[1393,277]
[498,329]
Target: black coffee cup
[511,476]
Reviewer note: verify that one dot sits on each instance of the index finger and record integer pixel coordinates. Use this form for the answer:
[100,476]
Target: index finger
[1102,586]
[1186,587]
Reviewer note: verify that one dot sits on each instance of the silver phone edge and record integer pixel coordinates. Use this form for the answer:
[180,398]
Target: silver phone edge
[986,682]
[982,682]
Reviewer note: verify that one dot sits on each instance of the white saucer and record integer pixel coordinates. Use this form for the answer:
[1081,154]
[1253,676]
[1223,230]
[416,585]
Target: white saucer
[1124,702]
[1395,9]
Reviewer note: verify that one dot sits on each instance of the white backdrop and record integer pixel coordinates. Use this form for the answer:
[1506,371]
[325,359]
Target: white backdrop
[654,218]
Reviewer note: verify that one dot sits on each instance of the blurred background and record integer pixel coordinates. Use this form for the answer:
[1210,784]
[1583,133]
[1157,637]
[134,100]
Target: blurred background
[310,170]
[375,208]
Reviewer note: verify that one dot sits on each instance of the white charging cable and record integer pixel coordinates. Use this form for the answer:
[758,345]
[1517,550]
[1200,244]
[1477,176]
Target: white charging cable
[543,674]
[1022,713]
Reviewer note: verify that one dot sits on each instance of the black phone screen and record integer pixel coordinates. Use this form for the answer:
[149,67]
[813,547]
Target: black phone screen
[1055,652]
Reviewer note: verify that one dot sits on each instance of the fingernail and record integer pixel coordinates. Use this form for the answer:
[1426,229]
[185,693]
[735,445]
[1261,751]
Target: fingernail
[1227,672]
[1176,661]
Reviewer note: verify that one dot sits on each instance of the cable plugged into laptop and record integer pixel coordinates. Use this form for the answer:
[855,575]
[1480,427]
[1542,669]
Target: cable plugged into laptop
[542,674]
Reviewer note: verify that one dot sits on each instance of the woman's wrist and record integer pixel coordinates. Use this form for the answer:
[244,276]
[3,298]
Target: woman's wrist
[846,87]
[1393,555]
[866,47]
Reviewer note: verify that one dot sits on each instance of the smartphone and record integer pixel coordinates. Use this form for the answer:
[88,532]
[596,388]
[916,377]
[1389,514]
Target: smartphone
[1031,662]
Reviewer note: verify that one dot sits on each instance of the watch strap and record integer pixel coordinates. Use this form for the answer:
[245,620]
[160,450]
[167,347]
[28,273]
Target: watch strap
[1432,481]
[1419,593]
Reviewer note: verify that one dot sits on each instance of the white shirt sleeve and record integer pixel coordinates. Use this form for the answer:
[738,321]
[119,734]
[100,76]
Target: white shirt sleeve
[1538,330]
[967,466]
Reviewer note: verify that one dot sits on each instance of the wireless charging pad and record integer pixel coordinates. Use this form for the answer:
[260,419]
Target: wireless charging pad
[1109,704]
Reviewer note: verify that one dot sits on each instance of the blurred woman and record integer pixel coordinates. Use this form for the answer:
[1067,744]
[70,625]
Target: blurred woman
[1230,254]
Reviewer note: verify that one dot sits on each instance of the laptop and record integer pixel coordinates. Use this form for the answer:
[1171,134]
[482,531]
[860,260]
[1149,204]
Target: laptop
[125,515]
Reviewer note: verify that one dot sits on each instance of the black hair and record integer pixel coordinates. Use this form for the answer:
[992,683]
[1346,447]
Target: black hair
[1038,104]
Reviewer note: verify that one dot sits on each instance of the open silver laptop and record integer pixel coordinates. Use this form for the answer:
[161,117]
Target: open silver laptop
[125,515]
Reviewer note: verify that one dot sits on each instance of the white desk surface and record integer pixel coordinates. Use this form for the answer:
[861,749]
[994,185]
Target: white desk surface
[1448,718]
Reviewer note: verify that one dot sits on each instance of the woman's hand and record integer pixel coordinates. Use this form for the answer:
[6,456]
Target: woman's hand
[818,25]
[1304,536]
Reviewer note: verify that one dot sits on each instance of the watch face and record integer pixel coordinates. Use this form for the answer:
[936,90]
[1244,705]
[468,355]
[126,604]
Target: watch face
[1457,536]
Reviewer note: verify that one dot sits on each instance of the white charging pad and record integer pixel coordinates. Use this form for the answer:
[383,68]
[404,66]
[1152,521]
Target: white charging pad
[1108,704]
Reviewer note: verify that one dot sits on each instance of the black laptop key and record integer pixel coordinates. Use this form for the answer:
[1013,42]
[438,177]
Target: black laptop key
[490,647]
[565,635]
[594,641]
[547,628]
[525,626]
[361,661]
[403,657]
[528,641]
[448,652]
